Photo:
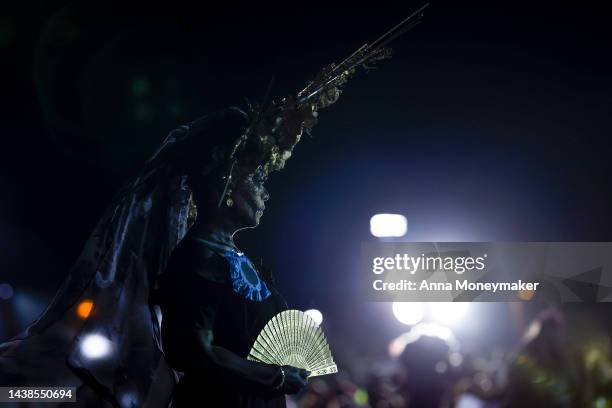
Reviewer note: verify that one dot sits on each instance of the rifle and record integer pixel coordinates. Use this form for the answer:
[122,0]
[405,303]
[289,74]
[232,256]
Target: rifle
[264,143]
[335,75]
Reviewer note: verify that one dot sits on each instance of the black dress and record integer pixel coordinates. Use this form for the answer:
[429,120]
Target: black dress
[208,287]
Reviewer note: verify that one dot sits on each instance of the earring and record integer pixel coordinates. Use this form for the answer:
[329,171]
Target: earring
[229,202]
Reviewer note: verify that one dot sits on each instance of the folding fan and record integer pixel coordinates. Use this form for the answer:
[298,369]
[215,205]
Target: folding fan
[294,338]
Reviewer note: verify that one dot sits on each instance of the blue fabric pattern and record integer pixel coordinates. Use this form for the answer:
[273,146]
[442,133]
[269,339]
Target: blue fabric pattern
[245,280]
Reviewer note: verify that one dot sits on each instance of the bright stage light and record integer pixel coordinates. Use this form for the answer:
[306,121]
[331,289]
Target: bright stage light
[397,345]
[408,312]
[315,315]
[448,312]
[469,401]
[95,346]
[388,225]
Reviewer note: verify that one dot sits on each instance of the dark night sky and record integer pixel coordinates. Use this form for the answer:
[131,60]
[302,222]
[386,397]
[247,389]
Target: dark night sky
[491,122]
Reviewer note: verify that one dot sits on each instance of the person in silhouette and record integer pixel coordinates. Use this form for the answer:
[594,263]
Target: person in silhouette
[214,299]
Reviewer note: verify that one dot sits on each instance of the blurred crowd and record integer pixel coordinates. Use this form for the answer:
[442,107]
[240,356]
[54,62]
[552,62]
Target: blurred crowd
[545,369]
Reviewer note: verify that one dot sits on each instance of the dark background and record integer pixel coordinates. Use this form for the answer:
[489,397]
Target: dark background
[491,122]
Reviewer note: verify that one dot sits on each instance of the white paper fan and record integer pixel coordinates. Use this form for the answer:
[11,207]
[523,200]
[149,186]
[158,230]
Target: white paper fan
[294,338]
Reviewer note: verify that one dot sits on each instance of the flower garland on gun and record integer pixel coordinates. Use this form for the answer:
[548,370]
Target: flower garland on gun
[276,126]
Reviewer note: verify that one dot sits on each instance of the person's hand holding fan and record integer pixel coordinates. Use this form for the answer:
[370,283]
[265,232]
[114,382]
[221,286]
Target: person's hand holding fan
[292,338]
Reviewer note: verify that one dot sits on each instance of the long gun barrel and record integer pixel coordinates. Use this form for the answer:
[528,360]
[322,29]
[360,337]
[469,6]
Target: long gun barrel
[274,146]
[338,74]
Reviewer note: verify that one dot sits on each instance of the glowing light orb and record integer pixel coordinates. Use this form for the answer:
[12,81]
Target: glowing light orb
[469,401]
[316,315]
[84,308]
[409,313]
[397,345]
[95,346]
[388,225]
[455,359]
[360,397]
